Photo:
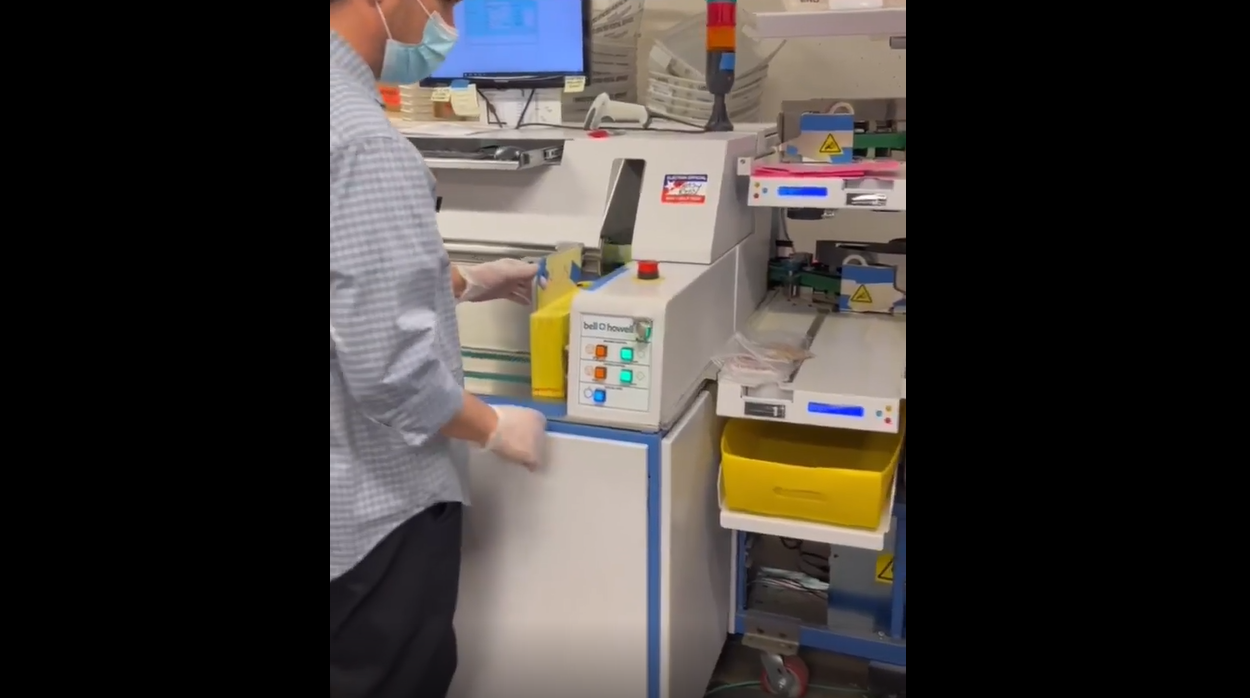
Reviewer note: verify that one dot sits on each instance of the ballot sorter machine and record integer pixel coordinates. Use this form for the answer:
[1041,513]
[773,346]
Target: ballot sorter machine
[607,573]
[617,567]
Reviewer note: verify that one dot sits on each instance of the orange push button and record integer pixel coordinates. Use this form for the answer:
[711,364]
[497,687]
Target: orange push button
[601,352]
[600,373]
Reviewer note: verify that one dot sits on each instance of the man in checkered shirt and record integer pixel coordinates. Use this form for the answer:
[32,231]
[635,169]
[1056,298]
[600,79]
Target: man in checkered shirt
[400,419]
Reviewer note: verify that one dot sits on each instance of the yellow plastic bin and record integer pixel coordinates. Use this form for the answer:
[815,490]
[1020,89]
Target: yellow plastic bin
[830,476]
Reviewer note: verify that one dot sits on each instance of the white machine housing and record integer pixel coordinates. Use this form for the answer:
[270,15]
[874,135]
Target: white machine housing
[691,215]
[639,348]
[568,201]
[654,340]
[610,571]
[857,378]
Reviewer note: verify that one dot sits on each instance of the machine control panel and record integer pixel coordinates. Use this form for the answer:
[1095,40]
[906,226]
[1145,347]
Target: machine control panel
[614,362]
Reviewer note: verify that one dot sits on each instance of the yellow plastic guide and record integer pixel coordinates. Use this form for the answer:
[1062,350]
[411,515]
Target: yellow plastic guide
[549,323]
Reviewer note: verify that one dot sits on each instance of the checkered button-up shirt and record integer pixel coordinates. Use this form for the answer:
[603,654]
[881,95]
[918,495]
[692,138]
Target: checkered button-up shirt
[395,372]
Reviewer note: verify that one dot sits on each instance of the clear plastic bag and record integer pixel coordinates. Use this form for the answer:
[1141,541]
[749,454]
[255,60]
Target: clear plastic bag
[765,358]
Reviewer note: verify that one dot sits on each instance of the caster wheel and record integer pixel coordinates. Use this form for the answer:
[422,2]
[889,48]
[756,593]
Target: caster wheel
[793,684]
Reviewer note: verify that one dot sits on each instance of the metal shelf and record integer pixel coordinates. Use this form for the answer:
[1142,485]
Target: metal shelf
[526,160]
[450,164]
[860,362]
[866,194]
[860,538]
[856,380]
[831,23]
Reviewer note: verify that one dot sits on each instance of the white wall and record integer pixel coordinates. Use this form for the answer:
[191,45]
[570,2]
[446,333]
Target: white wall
[847,68]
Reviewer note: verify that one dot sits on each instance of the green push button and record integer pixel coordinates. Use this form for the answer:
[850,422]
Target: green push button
[627,377]
[627,354]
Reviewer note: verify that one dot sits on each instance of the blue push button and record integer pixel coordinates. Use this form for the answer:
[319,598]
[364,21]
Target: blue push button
[601,396]
[627,354]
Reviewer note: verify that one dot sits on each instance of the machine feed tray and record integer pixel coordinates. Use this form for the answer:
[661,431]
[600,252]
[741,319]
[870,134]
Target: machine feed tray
[801,186]
[855,380]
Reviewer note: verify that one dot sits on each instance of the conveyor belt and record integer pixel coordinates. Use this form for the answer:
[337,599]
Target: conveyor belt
[491,372]
[495,373]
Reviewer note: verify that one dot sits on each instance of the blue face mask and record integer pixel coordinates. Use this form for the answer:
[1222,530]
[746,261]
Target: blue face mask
[406,64]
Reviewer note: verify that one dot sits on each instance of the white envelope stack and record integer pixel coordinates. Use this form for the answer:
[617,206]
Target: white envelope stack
[677,69]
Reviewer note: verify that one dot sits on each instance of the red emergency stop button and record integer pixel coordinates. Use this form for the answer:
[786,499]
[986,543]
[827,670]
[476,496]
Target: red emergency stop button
[649,270]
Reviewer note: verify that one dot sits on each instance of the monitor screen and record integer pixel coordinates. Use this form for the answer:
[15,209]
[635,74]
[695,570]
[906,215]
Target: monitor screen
[516,40]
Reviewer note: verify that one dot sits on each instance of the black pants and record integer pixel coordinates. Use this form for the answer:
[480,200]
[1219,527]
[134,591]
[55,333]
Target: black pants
[391,632]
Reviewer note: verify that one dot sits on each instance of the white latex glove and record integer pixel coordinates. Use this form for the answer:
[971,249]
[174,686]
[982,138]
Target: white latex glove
[520,436]
[503,279]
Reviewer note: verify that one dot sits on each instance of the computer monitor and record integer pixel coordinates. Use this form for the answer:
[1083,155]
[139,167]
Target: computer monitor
[518,43]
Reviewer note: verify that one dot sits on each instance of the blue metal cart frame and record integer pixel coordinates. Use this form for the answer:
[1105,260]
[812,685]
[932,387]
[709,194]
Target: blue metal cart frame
[887,645]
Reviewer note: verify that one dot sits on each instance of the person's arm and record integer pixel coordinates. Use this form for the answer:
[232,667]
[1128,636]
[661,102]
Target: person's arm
[458,284]
[387,268]
[475,422]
